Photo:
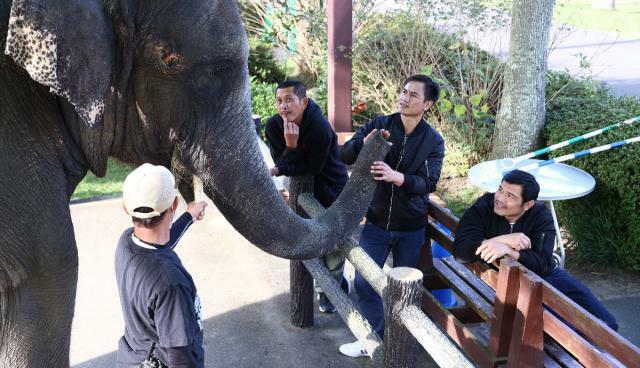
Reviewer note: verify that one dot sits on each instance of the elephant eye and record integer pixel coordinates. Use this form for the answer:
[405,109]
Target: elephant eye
[209,77]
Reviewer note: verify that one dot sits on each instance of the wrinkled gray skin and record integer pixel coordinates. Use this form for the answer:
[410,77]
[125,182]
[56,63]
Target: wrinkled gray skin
[145,81]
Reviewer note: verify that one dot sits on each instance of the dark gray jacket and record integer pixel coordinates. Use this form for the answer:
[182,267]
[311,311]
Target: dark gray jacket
[418,156]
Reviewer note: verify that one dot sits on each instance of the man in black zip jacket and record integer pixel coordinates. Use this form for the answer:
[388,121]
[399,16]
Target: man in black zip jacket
[302,142]
[511,223]
[397,217]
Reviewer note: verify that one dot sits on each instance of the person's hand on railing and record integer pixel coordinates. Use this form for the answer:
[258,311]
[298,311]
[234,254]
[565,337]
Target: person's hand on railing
[517,241]
[490,250]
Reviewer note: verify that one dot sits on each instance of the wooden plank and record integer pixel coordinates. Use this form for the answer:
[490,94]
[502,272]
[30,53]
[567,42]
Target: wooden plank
[553,349]
[504,308]
[481,287]
[590,326]
[442,216]
[459,333]
[576,345]
[473,299]
[485,273]
[527,343]
[550,363]
[445,240]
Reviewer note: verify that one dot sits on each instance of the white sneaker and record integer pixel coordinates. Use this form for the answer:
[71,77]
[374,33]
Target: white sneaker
[354,350]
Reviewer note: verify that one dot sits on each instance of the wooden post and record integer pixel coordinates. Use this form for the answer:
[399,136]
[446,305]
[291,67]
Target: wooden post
[527,339]
[300,280]
[504,310]
[339,68]
[404,288]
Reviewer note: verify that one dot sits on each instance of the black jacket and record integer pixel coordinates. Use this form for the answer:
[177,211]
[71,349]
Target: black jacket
[316,153]
[418,156]
[479,222]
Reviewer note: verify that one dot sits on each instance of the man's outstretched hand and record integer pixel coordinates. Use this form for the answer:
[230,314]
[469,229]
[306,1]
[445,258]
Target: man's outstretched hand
[196,209]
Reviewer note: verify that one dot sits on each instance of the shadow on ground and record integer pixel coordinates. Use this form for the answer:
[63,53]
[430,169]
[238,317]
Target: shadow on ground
[255,336]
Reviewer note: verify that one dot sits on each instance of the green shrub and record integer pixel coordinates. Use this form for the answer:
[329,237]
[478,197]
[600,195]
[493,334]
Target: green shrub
[262,65]
[263,101]
[604,225]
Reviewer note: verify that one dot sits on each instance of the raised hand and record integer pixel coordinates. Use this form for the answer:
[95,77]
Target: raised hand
[291,133]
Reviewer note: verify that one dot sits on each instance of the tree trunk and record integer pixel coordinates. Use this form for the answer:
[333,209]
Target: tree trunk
[521,116]
[603,4]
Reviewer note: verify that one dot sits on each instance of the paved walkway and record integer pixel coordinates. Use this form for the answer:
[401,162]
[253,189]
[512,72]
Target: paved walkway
[611,59]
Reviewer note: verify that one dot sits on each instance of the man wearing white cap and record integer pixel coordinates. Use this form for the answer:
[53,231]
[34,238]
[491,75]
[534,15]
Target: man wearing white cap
[161,307]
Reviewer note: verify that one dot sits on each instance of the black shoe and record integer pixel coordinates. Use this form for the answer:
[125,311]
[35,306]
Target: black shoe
[324,304]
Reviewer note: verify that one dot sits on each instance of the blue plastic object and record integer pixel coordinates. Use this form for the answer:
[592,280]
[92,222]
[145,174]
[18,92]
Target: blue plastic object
[444,296]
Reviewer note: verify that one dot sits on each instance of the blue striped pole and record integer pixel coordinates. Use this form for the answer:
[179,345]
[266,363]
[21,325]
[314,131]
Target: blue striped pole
[510,162]
[583,153]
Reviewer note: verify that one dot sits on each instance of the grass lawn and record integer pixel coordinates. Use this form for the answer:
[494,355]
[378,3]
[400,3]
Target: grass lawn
[111,184]
[625,20]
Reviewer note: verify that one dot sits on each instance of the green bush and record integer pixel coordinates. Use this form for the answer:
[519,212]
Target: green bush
[262,65]
[604,225]
[263,101]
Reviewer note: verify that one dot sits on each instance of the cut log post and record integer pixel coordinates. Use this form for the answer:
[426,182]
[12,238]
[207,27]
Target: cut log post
[300,280]
[404,288]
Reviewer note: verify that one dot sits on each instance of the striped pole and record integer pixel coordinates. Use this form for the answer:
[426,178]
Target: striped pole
[510,162]
[571,156]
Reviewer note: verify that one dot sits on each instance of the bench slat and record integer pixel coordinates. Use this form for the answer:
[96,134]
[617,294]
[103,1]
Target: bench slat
[556,351]
[591,327]
[443,216]
[487,292]
[473,299]
[471,345]
[575,344]
[445,240]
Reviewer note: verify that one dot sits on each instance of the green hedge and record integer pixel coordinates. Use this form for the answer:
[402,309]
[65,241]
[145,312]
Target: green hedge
[604,225]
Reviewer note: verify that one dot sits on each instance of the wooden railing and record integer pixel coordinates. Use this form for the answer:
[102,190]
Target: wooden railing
[401,289]
[510,315]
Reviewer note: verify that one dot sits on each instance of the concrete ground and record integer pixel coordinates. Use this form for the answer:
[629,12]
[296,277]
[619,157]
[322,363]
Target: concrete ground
[244,294]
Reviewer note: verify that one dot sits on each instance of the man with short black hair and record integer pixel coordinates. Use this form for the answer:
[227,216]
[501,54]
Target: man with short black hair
[511,223]
[160,304]
[302,142]
[396,218]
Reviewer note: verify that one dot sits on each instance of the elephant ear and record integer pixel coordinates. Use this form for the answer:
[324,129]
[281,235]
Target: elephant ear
[68,46]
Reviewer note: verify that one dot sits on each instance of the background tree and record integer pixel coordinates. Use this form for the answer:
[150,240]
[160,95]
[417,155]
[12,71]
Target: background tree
[521,115]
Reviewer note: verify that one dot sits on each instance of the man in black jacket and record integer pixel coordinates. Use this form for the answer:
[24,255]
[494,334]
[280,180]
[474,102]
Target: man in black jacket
[302,142]
[397,217]
[511,223]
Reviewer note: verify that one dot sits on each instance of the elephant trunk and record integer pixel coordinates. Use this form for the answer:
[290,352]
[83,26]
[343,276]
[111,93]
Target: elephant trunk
[240,186]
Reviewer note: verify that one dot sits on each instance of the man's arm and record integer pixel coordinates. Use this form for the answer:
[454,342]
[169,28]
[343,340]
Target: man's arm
[275,139]
[469,234]
[195,212]
[425,179]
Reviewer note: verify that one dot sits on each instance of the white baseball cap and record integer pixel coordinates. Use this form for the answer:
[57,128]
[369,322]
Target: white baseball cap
[148,186]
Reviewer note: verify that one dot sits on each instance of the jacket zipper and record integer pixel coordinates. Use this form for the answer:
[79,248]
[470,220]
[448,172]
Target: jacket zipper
[511,230]
[404,141]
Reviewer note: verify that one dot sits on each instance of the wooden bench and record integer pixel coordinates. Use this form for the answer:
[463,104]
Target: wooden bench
[506,317]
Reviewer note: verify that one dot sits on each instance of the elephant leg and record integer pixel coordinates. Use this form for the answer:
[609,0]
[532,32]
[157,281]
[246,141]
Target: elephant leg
[37,334]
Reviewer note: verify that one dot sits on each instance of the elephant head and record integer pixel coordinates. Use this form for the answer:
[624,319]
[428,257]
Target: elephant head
[166,82]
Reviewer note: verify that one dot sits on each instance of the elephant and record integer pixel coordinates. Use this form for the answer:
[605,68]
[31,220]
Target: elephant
[155,81]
